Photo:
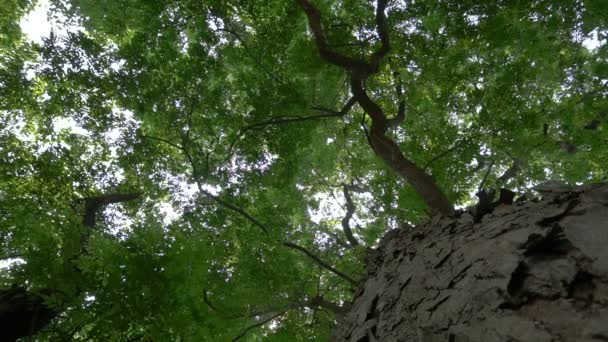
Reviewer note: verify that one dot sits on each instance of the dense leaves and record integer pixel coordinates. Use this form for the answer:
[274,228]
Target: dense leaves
[224,119]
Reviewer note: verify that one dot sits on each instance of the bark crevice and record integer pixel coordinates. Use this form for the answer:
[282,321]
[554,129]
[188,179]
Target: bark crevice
[528,271]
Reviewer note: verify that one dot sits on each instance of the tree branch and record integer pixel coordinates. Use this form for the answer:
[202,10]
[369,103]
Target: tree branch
[320,301]
[256,325]
[92,204]
[456,146]
[315,302]
[383,146]
[350,210]
[327,54]
[382,29]
[327,113]
[320,262]
[510,172]
[485,177]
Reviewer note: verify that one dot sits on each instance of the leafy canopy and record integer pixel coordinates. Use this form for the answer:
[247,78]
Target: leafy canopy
[226,121]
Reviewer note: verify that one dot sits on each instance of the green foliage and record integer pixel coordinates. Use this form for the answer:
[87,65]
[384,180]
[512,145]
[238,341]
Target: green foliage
[155,97]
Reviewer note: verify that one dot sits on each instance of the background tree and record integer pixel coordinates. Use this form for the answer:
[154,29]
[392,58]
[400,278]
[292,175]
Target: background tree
[237,122]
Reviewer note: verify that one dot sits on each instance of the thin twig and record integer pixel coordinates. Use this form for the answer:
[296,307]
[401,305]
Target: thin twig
[258,324]
[456,146]
[327,113]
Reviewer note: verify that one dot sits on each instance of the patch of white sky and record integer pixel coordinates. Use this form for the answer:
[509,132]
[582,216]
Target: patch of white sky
[36,24]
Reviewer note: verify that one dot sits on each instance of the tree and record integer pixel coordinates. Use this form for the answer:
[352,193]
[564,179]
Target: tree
[164,164]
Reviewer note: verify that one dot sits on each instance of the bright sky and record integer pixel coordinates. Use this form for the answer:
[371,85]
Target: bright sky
[36,25]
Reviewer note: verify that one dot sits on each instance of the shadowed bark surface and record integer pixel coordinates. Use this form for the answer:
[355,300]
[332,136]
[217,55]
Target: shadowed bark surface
[22,314]
[530,271]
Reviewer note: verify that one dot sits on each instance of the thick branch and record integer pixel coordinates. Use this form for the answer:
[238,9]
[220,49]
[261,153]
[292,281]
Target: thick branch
[423,183]
[330,56]
[382,29]
[92,204]
[379,122]
[510,172]
[350,210]
[382,145]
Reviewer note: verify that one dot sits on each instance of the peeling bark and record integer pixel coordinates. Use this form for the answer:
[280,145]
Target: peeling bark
[528,271]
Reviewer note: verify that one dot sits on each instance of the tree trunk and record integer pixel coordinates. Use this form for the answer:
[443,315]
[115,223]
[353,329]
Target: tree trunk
[530,271]
[22,314]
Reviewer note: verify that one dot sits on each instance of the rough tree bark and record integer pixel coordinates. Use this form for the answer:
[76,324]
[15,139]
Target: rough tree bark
[529,271]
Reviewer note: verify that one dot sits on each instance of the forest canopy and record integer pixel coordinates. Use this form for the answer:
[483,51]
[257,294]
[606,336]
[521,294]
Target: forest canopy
[205,170]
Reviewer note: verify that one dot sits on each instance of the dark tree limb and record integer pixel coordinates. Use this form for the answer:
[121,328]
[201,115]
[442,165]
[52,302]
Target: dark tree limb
[350,210]
[510,172]
[314,21]
[382,29]
[92,204]
[384,147]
